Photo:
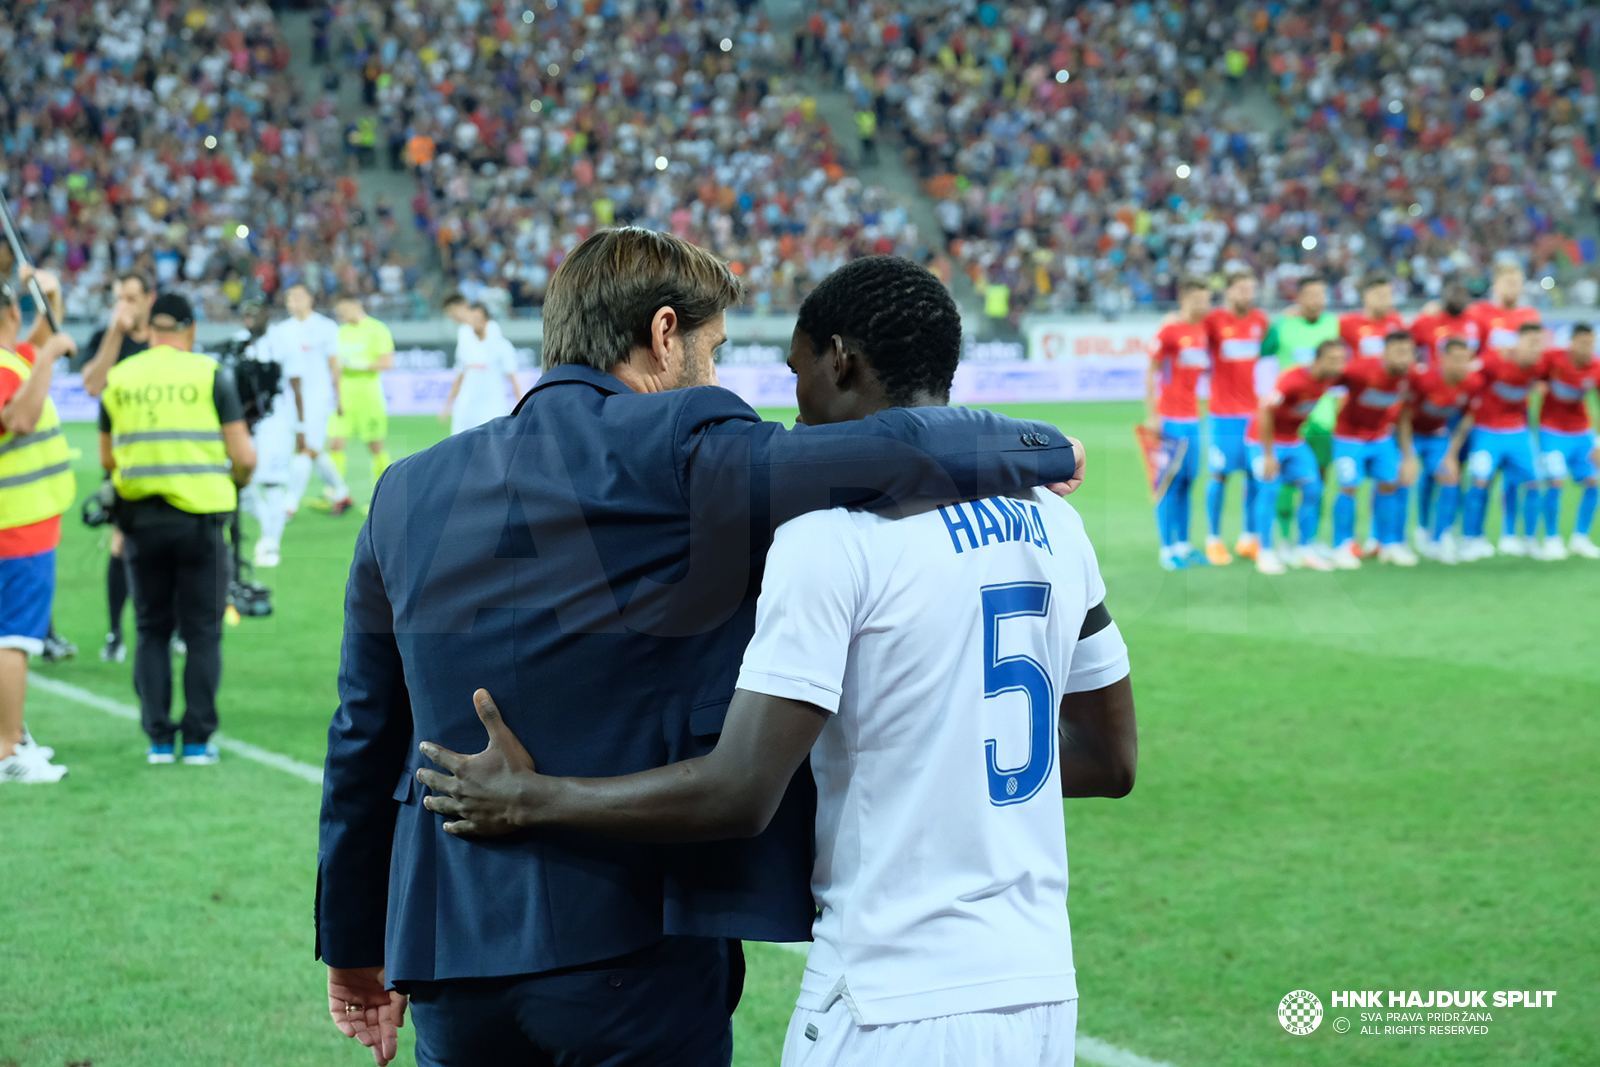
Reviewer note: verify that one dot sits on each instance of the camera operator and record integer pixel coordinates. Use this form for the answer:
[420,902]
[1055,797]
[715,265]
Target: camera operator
[173,436]
[272,431]
[126,334]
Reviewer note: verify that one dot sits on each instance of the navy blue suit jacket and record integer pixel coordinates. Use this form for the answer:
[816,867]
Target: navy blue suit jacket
[593,560]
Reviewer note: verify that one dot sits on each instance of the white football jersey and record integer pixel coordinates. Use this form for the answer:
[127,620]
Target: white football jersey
[941,644]
[304,349]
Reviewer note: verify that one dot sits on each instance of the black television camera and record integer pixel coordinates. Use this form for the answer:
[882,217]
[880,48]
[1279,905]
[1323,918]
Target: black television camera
[258,380]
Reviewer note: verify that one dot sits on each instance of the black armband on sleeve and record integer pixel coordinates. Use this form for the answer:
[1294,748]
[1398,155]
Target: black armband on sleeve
[1097,619]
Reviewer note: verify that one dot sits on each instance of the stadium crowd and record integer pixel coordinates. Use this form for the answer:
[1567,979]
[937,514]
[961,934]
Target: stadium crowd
[170,139]
[1092,154]
[530,127]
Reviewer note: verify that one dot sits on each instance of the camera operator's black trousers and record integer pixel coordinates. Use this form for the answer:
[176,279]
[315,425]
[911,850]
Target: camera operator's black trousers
[179,570]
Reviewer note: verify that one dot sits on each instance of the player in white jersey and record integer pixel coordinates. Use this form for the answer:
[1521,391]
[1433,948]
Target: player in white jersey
[486,384]
[310,342]
[273,438]
[950,673]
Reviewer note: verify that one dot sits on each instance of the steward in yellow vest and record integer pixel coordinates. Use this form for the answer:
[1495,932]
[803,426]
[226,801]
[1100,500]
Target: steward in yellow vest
[36,481]
[36,486]
[173,436]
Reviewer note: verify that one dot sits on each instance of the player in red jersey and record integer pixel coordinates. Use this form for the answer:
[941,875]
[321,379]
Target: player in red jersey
[1278,457]
[1499,318]
[1568,448]
[1365,330]
[1432,329]
[1365,447]
[1182,353]
[1440,393]
[1235,331]
[1496,425]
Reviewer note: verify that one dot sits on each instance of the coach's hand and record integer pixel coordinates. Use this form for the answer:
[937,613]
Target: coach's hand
[363,1009]
[484,793]
[1069,487]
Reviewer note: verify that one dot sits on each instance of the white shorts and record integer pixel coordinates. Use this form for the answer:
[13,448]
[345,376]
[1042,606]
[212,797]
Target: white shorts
[1040,1035]
[274,444]
[316,429]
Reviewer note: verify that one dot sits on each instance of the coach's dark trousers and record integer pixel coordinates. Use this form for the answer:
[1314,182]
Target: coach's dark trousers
[178,569]
[668,1005]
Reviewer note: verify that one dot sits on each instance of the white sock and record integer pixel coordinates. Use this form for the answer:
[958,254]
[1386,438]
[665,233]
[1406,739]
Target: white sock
[299,478]
[329,474]
[271,514]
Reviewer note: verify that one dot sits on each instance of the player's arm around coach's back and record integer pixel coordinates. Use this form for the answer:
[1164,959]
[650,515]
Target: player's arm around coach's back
[735,789]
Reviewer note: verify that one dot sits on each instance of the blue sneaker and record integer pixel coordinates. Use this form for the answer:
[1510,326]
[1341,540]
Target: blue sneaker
[158,754]
[201,755]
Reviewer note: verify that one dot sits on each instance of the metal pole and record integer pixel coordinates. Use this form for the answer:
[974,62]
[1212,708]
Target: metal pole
[21,256]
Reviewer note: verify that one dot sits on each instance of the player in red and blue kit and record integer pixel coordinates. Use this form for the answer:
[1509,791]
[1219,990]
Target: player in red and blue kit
[1499,441]
[1235,331]
[1454,319]
[1440,393]
[1365,331]
[1278,456]
[1567,442]
[1365,447]
[1182,354]
[1499,320]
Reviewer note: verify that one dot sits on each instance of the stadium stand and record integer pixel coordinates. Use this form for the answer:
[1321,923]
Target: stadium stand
[170,138]
[1083,155]
[530,127]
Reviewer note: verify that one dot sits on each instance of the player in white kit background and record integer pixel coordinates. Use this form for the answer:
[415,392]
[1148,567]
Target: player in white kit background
[951,675]
[486,366]
[273,438]
[309,343]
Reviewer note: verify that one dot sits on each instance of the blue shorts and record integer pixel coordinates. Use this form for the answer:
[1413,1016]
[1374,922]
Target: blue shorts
[1509,451]
[1187,431]
[27,588]
[1431,450]
[1228,453]
[1354,460]
[1564,456]
[1297,464]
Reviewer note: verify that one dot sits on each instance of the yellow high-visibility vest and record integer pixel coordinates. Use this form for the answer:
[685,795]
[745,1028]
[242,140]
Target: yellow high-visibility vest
[36,481]
[166,435]
[997,300]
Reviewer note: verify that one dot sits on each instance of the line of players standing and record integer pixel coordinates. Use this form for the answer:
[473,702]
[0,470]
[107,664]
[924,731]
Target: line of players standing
[1378,401]
[331,390]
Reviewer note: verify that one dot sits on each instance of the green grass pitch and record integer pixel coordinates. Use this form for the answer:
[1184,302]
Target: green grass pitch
[1382,779]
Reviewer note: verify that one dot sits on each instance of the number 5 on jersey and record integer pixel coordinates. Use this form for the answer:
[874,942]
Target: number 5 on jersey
[1018,674]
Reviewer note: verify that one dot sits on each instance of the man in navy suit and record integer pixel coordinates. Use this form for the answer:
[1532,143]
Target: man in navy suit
[596,554]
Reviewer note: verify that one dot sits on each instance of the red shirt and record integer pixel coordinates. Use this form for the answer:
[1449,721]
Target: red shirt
[1235,347]
[1502,403]
[35,537]
[1295,394]
[1436,404]
[1497,326]
[1375,399]
[1430,332]
[1365,335]
[1563,409]
[1181,356]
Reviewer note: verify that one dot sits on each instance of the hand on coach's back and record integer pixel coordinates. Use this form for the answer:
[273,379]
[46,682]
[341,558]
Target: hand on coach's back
[485,794]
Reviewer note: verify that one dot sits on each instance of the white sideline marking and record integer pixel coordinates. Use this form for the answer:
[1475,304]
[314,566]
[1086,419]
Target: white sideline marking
[1089,1049]
[254,753]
